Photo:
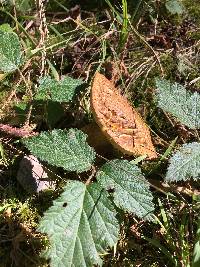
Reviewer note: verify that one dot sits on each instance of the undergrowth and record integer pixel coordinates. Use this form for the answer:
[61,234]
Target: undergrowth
[49,54]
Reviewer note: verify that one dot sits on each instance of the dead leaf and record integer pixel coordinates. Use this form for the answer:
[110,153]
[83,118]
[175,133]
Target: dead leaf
[118,120]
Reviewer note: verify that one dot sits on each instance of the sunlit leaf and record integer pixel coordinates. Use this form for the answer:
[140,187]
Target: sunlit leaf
[130,189]
[66,149]
[178,101]
[185,163]
[10,51]
[81,225]
[59,91]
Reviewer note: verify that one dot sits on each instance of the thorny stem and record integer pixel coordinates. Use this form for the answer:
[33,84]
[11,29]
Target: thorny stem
[17,132]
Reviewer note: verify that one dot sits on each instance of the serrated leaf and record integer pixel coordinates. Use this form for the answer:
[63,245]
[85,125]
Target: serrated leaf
[131,190]
[185,163]
[81,224]
[174,7]
[59,91]
[66,149]
[181,103]
[10,51]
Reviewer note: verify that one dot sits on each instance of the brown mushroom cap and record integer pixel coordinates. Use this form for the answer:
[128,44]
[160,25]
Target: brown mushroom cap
[118,120]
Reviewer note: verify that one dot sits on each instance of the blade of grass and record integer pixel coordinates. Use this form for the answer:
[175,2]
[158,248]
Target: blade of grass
[196,251]
[157,244]
[167,226]
[122,19]
[136,11]
[35,51]
[164,156]
[2,154]
[53,70]
[60,5]
[142,39]
[124,31]
[117,14]
[104,48]
[184,246]
[169,150]
[138,159]
[56,32]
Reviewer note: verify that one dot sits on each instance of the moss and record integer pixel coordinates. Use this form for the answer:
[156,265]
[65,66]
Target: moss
[169,64]
[193,9]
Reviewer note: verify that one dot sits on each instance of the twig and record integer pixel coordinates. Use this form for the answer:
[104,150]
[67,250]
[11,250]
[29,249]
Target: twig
[91,176]
[165,188]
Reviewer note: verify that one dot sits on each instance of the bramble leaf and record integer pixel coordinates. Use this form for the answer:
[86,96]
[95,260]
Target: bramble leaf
[81,224]
[185,163]
[182,104]
[10,51]
[174,7]
[66,149]
[59,91]
[131,190]
[6,28]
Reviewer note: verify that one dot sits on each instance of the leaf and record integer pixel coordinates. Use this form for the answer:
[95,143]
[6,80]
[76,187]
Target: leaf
[185,163]
[59,91]
[6,28]
[66,149]
[10,51]
[174,7]
[118,120]
[81,224]
[131,190]
[182,104]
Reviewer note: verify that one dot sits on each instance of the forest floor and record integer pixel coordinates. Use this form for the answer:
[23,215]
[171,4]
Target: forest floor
[131,45]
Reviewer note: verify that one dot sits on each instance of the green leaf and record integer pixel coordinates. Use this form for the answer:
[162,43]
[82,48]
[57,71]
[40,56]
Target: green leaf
[59,91]
[81,224]
[5,28]
[174,7]
[67,149]
[131,190]
[10,51]
[196,252]
[182,104]
[185,163]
